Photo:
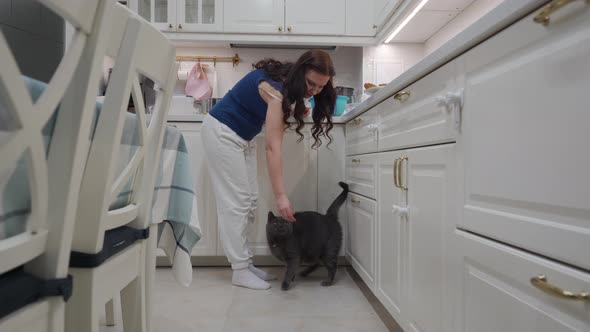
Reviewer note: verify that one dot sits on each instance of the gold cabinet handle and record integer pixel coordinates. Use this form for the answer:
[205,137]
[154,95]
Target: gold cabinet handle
[170,25]
[374,26]
[280,29]
[357,121]
[399,173]
[395,171]
[180,26]
[289,28]
[543,284]
[402,96]
[355,201]
[356,160]
[543,17]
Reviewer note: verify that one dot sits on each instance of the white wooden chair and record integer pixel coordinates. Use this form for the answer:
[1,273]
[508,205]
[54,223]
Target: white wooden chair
[138,48]
[41,252]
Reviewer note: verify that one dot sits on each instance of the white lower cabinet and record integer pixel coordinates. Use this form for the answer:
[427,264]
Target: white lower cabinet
[414,223]
[207,245]
[501,290]
[362,214]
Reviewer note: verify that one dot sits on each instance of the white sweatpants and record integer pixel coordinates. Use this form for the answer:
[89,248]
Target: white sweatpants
[232,166]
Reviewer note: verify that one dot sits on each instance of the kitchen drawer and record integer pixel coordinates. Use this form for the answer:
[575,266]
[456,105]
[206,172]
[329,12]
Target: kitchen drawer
[413,117]
[361,173]
[497,291]
[362,214]
[526,135]
[361,133]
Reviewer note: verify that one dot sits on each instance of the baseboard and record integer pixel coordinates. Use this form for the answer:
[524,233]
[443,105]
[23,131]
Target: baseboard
[163,261]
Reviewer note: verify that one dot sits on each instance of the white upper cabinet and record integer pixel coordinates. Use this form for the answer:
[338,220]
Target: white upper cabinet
[527,128]
[312,17]
[382,9]
[199,15]
[181,15]
[360,18]
[254,16]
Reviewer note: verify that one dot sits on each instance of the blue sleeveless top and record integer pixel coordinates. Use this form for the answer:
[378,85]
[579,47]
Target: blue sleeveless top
[242,109]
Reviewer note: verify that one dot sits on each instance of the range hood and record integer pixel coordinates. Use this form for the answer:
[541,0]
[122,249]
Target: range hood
[283,46]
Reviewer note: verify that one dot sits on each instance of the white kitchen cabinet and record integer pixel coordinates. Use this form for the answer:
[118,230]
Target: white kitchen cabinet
[331,170]
[497,291]
[417,115]
[526,133]
[391,230]
[360,19]
[362,213]
[382,10]
[181,15]
[312,17]
[290,17]
[429,222]
[300,174]
[207,246]
[362,133]
[361,174]
[254,16]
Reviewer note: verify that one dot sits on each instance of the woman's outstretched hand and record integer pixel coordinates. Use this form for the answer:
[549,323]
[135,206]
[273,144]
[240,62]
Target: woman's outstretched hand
[285,208]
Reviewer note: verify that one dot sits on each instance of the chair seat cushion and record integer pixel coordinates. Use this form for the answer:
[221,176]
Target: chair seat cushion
[115,240]
[19,288]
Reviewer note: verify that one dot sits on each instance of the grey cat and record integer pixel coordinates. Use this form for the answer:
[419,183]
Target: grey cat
[312,239]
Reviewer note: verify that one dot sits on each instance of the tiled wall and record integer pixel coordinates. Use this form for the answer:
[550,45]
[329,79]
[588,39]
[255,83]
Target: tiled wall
[347,60]
[35,35]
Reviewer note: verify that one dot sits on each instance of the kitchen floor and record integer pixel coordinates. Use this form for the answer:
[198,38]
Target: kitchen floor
[212,304]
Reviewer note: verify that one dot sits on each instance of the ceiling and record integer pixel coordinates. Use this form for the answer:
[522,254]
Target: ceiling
[430,19]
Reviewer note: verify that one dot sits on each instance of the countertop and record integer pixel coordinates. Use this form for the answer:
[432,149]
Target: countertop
[500,17]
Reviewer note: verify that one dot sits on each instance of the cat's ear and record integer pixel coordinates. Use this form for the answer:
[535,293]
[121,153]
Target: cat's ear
[270,215]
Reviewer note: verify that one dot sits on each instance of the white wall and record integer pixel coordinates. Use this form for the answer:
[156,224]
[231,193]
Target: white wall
[468,16]
[381,64]
[347,61]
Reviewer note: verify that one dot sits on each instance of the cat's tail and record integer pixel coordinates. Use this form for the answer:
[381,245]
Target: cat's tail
[333,209]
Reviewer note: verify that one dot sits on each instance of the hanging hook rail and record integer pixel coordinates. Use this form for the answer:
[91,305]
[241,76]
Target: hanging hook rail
[234,59]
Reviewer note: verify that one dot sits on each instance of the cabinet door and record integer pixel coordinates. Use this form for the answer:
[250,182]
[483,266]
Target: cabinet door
[361,133]
[207,246]
[383,9]
[300,167]
[161,13]
[253,16]
[497,293]
[312,17]
[390,239]
[359,18]
[199,15]
[429,180]
[361,235]
[413,117]
[527,128]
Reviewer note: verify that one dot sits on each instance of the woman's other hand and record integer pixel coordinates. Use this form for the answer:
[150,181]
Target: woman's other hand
[285,208]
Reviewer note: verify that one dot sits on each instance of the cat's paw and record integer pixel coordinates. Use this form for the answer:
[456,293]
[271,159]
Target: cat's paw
[285,286]
[326,283]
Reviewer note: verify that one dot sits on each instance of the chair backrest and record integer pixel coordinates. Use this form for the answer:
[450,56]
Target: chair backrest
[115,168]
[52,175]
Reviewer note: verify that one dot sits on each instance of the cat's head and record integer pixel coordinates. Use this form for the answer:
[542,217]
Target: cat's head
[278,227]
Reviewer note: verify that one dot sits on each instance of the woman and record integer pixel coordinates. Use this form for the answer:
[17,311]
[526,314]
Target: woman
[266,96]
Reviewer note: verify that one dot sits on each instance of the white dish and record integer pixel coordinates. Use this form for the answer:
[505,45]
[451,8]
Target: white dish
[371,91]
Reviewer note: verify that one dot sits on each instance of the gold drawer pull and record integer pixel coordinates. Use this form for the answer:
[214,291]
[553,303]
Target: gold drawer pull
[402,96]
[395,171]
[355,201]
[356,160]
[544,15]
[541,283]
[357,121]
[398,173]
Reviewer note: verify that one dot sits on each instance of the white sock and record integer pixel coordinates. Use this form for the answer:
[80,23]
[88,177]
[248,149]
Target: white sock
[246,278]
[261,274]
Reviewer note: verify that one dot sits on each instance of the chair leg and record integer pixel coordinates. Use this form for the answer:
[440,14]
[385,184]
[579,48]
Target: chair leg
[133,306]
[110,312]
[150,274]
[82,309]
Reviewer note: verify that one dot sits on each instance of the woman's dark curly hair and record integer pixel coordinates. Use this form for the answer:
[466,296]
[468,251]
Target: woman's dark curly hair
[293,77]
